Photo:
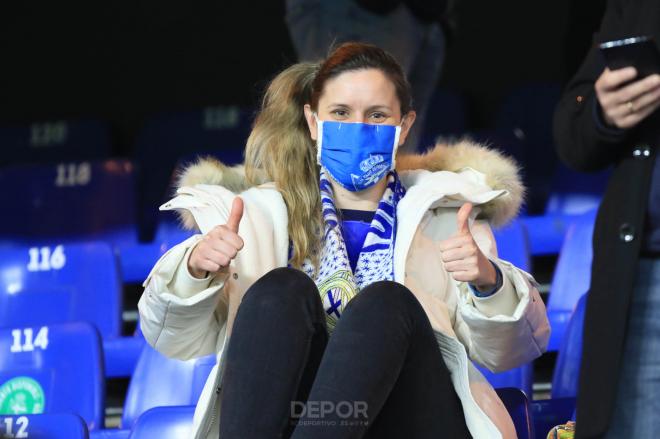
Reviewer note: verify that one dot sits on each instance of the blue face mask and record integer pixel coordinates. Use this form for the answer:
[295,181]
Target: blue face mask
[356,155]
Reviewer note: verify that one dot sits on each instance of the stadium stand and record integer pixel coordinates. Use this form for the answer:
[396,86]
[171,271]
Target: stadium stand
[571,276]
[167,137]
[53,369]
[45,426]
[54,141]
[185,381]
[46,284]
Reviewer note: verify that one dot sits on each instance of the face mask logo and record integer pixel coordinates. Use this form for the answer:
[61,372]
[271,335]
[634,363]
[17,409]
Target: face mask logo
[356,155]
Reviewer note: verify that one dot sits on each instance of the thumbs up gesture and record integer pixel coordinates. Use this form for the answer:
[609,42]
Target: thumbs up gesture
[463,259]
[219,246]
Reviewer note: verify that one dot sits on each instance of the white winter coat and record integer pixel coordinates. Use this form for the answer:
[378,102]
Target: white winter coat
[184,317]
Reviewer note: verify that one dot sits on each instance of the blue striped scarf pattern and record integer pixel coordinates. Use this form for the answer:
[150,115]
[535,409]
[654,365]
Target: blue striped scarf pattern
[334,278]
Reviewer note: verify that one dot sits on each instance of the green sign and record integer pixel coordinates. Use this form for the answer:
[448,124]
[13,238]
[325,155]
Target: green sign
[21,396]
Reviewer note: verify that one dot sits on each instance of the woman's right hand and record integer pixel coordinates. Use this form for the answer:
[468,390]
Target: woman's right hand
[219,246]
[624,106]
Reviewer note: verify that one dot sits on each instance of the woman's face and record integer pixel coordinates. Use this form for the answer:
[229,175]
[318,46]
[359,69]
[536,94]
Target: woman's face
[366,96]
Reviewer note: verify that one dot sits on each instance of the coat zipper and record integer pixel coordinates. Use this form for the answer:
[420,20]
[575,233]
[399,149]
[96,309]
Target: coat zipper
[217,386]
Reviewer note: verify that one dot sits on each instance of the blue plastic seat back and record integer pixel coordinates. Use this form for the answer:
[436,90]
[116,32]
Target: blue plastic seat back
[561,408]
[572,275]
[526,112]
[137,259]
[164,423]
[60,283]
[78,202]
[67,200]
[446,117]
[207,130]
[546,233]
[111,433]
[166,137]
[575,192]
[51,426]
[567,366]
[513,245]
[160,381]
[52,369]
[517,405]
[520,378]
[53,141]
[548,413]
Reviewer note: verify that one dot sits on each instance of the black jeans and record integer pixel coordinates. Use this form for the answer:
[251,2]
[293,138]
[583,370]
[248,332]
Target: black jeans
[380,375]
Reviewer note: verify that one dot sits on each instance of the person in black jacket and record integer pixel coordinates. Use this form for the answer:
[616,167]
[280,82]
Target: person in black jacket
[610,119]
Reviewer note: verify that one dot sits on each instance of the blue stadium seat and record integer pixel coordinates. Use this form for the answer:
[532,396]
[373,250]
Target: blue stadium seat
[185,381]
[47,284]
[137,259]
[73,202]
[164,423]
[81,201]
[517,405]
[567,366]
[110,433]
[521,378]
[44,142]
[546,233]
[572,275]
[55,426]
[166,137]
[547,413]
[52,369]
[561,408]
[513,245]
[526,113]
[574,193]
[68,200]
[446,117]
[60,283]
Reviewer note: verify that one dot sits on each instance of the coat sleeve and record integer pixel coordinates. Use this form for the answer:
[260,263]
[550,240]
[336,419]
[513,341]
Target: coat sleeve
[181,316]
[583,143]
[508,328]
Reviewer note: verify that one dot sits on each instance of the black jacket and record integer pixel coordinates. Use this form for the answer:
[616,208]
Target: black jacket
[619,226]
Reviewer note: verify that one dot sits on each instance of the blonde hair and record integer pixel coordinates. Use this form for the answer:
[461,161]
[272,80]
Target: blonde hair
[280,147]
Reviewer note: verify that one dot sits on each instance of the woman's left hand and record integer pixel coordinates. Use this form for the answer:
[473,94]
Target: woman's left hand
[462,257]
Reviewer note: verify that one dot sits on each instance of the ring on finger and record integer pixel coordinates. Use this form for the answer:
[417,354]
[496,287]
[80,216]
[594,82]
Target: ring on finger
[631,107]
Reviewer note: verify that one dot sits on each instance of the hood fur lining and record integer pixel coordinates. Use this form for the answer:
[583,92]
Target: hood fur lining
[501,173]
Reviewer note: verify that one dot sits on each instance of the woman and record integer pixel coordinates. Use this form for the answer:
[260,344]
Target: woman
[303,239]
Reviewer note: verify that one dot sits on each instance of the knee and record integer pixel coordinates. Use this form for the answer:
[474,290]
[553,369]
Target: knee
[387,299]
[282,289]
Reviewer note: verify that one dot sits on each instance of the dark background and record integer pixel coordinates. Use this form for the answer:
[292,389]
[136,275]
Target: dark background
[124,60]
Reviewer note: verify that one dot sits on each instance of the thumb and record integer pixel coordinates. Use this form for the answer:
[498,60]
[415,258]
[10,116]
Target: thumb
[235,215]
[462,218]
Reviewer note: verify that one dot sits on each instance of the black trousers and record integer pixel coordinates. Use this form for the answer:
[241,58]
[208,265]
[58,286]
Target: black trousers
[380,375]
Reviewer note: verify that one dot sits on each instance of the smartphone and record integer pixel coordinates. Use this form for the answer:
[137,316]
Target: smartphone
[639,52]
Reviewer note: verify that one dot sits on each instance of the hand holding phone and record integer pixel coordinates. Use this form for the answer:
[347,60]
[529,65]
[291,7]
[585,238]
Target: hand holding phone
[627,95]
[638,52]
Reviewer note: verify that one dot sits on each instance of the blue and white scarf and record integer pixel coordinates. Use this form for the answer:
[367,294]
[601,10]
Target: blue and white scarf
[334,278]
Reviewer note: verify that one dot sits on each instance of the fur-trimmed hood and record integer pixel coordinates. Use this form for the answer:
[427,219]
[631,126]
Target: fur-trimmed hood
[501,172]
